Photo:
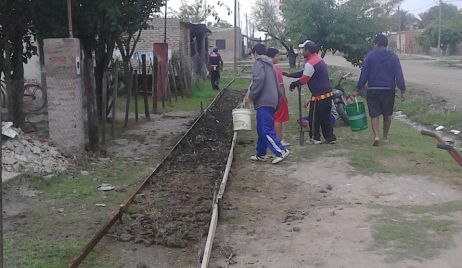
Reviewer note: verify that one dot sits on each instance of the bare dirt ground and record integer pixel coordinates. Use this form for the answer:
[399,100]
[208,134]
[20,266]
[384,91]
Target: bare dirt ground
[41,215]
[324,213]
[421,75]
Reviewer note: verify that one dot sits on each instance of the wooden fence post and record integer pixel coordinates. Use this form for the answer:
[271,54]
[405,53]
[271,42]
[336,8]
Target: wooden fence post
[145,85]
[129,81]
[154,85]
[104,108]
[114,99]
[135,94]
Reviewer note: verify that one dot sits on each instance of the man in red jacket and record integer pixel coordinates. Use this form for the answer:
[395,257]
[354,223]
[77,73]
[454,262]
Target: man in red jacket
[316,76]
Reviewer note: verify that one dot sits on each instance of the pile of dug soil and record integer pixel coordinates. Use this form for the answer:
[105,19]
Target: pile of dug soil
[175,209]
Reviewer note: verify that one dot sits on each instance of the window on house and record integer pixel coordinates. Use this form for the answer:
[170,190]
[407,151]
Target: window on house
[221,44]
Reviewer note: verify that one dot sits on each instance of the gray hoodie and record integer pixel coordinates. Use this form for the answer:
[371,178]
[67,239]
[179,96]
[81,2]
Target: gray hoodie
[264,90]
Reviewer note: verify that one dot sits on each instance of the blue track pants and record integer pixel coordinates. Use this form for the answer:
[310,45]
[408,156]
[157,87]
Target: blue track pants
[267,137]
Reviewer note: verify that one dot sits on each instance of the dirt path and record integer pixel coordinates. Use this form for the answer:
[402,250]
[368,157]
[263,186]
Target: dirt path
[440,81]
[324,213]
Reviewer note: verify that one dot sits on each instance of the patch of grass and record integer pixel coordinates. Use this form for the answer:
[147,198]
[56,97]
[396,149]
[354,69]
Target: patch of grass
[414,232]
[422,112]
[38,253]
[44,253]
[408,152]
[201,91]
[51,239]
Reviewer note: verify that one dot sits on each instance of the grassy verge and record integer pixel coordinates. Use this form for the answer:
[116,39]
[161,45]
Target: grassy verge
[59,228]
[422,111]
[415,232]
[201,91]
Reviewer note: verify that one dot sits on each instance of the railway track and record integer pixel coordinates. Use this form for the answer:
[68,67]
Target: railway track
[180,199]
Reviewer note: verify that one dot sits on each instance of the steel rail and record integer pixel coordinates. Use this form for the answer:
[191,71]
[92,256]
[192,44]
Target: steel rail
[123,208]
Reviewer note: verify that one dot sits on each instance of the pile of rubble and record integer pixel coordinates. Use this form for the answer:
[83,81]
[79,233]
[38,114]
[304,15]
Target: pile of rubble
[24,155]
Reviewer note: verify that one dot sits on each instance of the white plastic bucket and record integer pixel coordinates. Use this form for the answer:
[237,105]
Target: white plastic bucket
[242,119]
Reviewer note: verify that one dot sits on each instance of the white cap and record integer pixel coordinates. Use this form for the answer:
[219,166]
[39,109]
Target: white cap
[304,43]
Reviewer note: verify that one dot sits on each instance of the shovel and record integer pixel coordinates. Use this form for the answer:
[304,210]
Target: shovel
[300,116]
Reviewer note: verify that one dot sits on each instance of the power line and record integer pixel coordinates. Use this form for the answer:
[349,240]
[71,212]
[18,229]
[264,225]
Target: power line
[427,6]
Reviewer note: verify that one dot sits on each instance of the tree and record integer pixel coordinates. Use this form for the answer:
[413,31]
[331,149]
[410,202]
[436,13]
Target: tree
[16,47]
[408,21]
[347,26]
[451,25]
[268,18]
[357,22]
[451,35]
[309,19]
[448,12]
[136,14]
[199,11]
[98,25]
[219,24]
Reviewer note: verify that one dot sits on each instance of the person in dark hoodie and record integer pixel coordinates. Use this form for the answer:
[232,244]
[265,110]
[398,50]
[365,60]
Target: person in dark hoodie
[215,66]
[264,93]
[381,72]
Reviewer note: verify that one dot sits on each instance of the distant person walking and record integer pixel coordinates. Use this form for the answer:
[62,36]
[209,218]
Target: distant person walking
[215,67]
[282,114]
[381,72]
[264,93]
[316,76]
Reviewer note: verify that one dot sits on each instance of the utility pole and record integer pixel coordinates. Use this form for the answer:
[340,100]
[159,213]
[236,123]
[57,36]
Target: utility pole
[439,29]
[235,36]
[69,18]
[205,9]
[247,29]
[399,29]
[239,15]
[165,23]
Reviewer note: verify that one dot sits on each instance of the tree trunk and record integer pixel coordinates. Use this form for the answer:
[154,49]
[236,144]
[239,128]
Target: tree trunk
[89,84]
[43,75]
[98,74]
[292,58]
[14,79]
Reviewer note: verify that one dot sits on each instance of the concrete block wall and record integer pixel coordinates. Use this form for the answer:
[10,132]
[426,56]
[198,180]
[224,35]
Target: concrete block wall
[177,36]
[227,34]
[65,94]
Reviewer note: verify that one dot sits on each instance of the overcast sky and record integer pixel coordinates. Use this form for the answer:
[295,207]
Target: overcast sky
[414,6]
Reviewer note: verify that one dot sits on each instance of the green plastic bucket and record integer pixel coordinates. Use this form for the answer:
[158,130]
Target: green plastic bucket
[357,115]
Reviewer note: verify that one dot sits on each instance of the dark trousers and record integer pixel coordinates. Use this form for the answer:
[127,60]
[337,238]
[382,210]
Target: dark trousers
[320,113]
[215,79]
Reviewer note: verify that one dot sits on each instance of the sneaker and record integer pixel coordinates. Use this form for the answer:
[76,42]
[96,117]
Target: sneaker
[331,142]
[259,158]
[315,142]
[376,143]
[285,143]
[280,158]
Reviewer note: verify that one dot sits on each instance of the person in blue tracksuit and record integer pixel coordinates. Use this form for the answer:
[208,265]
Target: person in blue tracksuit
[382,73]
[264,94]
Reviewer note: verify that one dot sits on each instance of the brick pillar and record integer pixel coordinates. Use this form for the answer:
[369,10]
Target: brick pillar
[65,94]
